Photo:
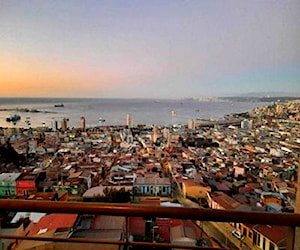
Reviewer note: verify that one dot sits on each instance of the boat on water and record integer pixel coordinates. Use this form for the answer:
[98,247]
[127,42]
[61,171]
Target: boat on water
[13,118]
[59,105]
[101,120]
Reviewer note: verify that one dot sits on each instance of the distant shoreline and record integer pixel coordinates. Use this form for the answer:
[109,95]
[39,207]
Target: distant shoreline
[260,99]
[26,110]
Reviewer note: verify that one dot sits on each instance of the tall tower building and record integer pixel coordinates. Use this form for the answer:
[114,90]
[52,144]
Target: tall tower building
[169,140]
[129,120]
[247,124]
[64,125]
[154,135]
[191,124]
[82,123]
[166,133]
[54,125]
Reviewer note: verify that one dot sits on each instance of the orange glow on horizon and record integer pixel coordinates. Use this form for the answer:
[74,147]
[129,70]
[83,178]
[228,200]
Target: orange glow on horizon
[30,78]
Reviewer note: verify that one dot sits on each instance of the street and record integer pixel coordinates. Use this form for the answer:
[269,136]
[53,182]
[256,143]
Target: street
[225,238]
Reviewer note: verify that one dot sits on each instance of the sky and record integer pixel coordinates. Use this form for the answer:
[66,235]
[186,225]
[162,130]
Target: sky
[148,49]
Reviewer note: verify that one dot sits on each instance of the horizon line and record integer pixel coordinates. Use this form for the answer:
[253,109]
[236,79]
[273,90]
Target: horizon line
[158,98]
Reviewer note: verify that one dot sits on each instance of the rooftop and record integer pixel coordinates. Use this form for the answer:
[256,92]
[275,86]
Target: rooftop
[178,214]
[9,177]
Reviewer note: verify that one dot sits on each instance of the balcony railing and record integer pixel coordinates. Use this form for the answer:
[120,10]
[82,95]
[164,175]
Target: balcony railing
[132,210]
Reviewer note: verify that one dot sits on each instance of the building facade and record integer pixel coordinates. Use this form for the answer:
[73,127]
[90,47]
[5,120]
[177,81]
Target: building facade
[152,186]
[8,184]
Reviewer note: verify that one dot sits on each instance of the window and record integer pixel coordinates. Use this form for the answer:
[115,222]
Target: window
[272,246]
[250,235]
[264,243]
[254,237]
[258,239]
[244,231]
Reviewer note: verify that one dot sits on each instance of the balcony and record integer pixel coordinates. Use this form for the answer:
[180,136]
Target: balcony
[131,210]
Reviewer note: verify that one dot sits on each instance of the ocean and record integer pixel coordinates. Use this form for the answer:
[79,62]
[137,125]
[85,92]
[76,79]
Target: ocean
[114,111]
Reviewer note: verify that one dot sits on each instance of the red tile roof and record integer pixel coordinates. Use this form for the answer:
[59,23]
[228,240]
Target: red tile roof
[52,222]
[225,201]
[274,233]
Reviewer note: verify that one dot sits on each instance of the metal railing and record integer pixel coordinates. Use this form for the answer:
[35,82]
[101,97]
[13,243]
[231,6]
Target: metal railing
[133,210]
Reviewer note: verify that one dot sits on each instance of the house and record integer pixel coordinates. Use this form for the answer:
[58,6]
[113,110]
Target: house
[279,185]
[76,183]
[103,227]
[187,233]
[27,183]
[220,200]
[99,191]
[178,235]
[268,237]
[273,207]
[246,230]
[193,190]
[268,197]
[51,225]
[152,186]
[240,171]
[8,184]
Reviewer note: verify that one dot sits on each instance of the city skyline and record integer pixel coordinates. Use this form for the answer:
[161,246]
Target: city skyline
[138,49]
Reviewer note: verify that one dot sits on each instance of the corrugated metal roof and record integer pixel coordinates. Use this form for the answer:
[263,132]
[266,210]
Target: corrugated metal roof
[9,177]
[34,217]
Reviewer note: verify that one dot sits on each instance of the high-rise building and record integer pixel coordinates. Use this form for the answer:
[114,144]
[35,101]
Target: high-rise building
[82,123]
[154,135]
[54,125]
[279,108]
[247,124]
[129,120]
[166,133]
[191,124]
[64,124]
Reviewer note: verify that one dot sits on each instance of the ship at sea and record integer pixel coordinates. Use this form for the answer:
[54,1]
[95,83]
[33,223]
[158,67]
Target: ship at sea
[101,120]
[59,105]
[13,118]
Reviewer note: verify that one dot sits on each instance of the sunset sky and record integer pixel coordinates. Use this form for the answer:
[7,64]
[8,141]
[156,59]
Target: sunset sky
[160,49]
